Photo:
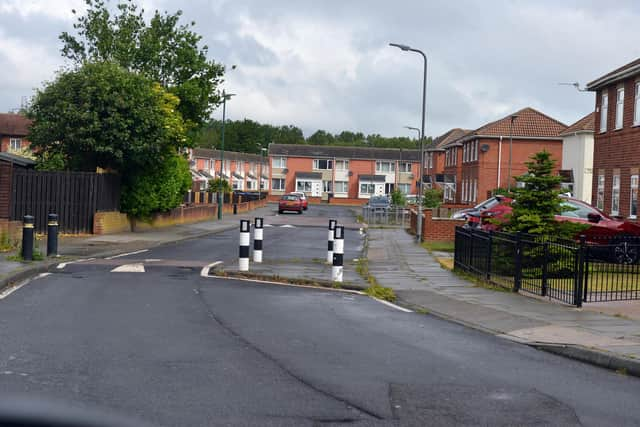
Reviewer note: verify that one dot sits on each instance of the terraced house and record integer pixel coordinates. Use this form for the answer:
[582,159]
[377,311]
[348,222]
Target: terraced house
[14,129]
[343,174]
[478,161]
[616,157]
[242,170]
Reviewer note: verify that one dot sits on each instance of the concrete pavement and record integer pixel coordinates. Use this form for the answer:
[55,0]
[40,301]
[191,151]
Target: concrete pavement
[396,261]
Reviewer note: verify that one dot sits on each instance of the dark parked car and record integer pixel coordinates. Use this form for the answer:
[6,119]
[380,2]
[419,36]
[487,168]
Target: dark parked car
[290,202]
[379,202]
[623,237]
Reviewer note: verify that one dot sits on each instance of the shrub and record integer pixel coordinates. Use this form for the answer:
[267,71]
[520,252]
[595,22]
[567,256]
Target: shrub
[398,198]
[432,198]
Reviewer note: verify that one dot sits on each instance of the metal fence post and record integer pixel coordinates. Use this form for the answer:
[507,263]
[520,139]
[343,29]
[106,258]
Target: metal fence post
[517,282]
[545,273]
[27,238]
[489,254]
[577,283]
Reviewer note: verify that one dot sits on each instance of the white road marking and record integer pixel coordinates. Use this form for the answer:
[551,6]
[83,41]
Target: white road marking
[64,264]
[205,270]
[268,225]
[127,254]
[287,226]
[152,260]
[129,268]
[11,289]
[270,282]
[392,305]
[41,275]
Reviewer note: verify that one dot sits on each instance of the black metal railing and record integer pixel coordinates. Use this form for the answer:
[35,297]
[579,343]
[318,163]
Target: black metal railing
[602,269]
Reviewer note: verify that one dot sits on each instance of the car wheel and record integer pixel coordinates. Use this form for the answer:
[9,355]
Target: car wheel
[280,211]
[306,207]
[624,251]
[300,212]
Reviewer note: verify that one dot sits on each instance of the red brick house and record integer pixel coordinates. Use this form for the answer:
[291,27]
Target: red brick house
[478,162]
[435,157]
[243,170]
[350,174]
[616,153]
[13,131]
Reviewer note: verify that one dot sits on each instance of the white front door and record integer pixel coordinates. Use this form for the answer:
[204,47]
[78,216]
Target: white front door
[316,188]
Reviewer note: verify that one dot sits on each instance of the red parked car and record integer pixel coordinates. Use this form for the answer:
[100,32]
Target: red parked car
[603,228]
[290,202]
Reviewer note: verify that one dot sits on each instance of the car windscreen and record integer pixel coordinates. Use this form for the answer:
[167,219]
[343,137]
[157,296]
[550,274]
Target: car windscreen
[290,198]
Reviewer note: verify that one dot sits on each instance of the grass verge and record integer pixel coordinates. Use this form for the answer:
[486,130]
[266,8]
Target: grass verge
[439,246]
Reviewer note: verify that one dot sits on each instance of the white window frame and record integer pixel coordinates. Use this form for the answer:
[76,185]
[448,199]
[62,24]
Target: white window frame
[619,108]
[636,111]
[475,190]
[464,153]
[475,150]
[341,187]
[604,111]
[328,163]
[390,165]
[368,186]
[327,186]
[633,196]
[404,188]
[405,167]
[281,184]
[615,195]
[13,142]
[305,188]
[342,165]
[279,162]
[600,192]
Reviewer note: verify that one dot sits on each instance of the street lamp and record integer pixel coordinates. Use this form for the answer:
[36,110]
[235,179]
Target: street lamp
[416,129]
[406,48]
[513,119]
[262,150]
[225,96]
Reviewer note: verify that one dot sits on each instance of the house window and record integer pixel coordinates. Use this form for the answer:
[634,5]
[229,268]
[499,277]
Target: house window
[15,144]
[633,209]
[279,162]
[341,186]
[304,186]
[475,150]
[604,112]
[404,188]
[342,165]
[249,185]
[367,188]
[385,167]
[322,164]
[600,194]
[615,195]
[277,184]
[619,107]
[464,153]
[405,167]
[327,186]
[636,111]
[475,185]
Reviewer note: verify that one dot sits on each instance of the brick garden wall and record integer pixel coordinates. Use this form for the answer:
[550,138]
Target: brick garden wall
[435,229]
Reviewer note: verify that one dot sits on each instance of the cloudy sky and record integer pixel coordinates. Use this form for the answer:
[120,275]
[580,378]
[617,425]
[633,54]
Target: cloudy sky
[327,64]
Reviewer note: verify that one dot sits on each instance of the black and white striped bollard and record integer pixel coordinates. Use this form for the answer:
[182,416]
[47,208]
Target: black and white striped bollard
[245,238]
[332,227]
[338,253]
[257,240]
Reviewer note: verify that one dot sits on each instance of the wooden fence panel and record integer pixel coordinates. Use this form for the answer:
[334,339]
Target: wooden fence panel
[74,196]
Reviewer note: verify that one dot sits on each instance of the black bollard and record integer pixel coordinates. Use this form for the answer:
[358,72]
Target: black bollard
[52,235]
[27,238]
[235,209]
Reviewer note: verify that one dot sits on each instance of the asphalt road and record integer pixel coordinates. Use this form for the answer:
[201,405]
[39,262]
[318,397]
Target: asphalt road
[176,349]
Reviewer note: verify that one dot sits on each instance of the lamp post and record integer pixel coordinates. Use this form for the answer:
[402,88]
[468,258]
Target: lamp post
[406,48]
[513,119]
[225,96]
[262,150]
[416,129]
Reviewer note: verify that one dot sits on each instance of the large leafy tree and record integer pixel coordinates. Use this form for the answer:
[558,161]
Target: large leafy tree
[103,116]
[162,49]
